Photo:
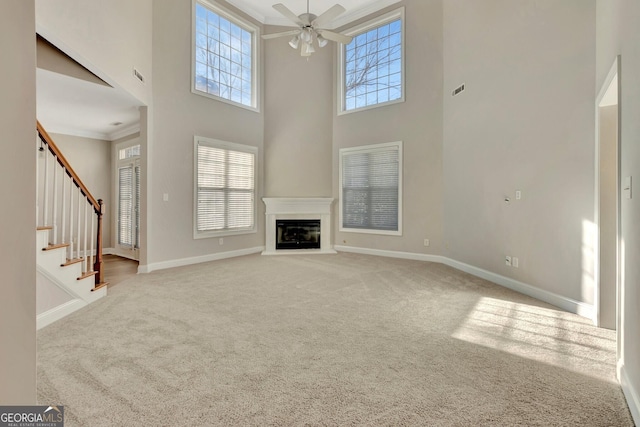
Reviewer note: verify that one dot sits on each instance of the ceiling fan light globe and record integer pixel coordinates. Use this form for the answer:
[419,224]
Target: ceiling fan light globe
[305,36]
[322,42]
[294,42]
[308,48]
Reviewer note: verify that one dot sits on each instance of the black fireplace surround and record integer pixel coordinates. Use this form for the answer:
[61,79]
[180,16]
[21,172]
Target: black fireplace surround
[297,234]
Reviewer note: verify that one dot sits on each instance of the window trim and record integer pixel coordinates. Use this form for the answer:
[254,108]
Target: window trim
[255,53]
[227,146]
[357,30]
[369,148]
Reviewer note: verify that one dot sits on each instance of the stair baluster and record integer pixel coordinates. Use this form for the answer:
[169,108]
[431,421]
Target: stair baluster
[55,201]
[83,238]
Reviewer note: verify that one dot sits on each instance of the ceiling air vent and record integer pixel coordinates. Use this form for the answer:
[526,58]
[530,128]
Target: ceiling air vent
[138,75]
[458,90]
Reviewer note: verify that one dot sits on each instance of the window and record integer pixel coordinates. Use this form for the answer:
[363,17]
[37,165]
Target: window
[128,199]
[129,152]
[224,188]
[371,67]
[371,189]
[224,56]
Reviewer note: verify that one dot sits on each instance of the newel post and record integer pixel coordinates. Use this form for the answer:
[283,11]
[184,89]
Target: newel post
[97,266]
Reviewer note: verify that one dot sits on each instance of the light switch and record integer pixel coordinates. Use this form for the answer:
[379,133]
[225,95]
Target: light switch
[626,187]
[165,197]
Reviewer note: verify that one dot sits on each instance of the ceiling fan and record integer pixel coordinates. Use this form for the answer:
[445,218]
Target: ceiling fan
[310,28]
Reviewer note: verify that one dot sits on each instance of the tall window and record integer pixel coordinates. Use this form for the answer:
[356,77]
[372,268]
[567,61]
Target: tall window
[224,56]
[224,188]
[128,199]
[372,65]
[371,189]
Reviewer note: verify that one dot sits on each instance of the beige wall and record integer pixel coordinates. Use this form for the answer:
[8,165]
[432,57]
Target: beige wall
[178,115]
[525,122]
[53,59]
[618,33]
[298,120]
[18,194]
[91,160]
[418,123]
[109,38]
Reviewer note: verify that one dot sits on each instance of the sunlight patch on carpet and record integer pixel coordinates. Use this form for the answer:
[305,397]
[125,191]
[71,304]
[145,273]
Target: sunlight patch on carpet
[545,335]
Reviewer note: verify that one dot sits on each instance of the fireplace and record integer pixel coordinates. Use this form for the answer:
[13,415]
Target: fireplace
[298,234]
[297,226]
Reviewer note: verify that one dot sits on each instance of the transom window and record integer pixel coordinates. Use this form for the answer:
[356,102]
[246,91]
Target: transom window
[372,65]
[224,56]
[225,188]
[371,189]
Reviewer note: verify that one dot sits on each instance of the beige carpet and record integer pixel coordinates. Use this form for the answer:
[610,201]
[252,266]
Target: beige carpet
[326,340]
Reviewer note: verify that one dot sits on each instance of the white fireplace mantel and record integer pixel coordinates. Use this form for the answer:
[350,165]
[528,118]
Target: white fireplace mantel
[298,208]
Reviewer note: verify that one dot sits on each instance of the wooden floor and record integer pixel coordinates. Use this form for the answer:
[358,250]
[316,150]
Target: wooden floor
[118,269]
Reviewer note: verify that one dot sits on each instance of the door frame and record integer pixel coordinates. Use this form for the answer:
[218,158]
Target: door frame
[125,252]
[612,78]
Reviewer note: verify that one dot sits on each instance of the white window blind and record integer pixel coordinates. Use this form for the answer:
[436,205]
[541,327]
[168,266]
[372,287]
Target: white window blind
[225,188]
[129,205]
[125,205]
[371,183]
[137,209]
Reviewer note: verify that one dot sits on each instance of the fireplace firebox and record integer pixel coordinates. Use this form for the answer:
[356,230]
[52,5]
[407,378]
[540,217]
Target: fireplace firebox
[297,234]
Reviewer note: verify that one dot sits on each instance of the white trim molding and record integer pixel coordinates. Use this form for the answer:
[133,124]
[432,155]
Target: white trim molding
[163,265]
[567,304]
[631,394]
[57,313]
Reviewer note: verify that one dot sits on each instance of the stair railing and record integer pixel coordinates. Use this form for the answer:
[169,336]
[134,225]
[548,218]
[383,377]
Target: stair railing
[66,208]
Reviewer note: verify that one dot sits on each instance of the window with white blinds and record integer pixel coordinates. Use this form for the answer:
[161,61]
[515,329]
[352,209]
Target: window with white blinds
[371,189]
[224,188]
[129,205]
[125,205]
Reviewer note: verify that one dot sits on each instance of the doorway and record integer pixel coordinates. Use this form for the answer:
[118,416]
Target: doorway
[127,204]
[607,212]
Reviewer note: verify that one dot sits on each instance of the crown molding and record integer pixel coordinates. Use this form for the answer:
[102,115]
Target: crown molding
[346,18]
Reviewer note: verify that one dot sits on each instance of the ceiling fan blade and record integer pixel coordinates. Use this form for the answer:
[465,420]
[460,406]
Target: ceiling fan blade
[282,34]
[284,10]
[336,37]
[328,16]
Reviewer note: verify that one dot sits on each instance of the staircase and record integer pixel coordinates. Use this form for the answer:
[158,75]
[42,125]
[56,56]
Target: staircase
[69,237]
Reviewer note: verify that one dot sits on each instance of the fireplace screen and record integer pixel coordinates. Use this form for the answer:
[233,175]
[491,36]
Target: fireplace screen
[298,234]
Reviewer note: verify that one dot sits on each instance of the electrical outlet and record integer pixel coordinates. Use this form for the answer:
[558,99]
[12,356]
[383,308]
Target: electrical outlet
[514,262]
[426,242]
[507,261]
[221,241]
[518,194]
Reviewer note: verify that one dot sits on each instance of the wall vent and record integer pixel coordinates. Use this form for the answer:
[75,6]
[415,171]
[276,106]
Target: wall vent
[138,75]
[458,90]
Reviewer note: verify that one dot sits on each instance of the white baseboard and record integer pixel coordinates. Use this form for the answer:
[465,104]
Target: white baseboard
[390,254]
[108,251]
[631,394]
[565,303]
[57,313]
[148,268]
[568,304]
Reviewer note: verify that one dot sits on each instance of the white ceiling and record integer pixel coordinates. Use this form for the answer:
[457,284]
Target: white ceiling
[74,106]
[263,11]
